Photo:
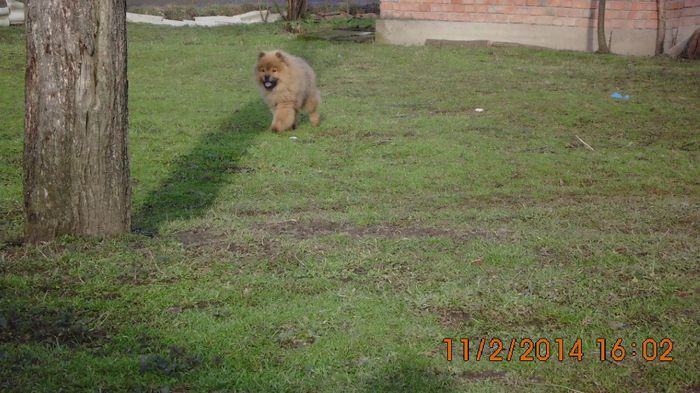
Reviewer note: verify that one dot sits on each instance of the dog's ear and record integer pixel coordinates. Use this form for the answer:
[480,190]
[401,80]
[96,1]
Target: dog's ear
[260,55]
[279,55]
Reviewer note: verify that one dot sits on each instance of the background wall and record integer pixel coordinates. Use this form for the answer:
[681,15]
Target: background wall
[565,24]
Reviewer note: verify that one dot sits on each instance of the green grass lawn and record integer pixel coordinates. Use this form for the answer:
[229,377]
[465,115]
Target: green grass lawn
[338,262]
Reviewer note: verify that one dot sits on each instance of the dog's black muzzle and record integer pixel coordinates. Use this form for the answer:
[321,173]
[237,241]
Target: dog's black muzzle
[269,82]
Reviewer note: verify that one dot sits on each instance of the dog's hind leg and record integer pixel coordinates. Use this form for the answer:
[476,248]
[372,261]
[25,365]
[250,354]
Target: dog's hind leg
[311,107]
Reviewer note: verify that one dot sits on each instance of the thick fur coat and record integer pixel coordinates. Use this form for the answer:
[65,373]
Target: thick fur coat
[288,86]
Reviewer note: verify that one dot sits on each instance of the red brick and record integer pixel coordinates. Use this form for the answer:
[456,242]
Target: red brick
[476,8]
[517,19]
[617,24]
[468,18]
[637,15]
[531,19]
[615,14]
[676,5]
[616,5]
[572,12]
[536,11]
[582,4]
[480,17]
[562,11]
[691,21]
[690,11]
[673,14]
[571,22]
[644,6]
[580,22]
[498,18]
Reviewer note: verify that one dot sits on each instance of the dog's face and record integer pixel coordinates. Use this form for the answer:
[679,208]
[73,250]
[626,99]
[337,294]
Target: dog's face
[270,69]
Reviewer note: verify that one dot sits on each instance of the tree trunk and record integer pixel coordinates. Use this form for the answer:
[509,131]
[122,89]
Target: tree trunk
[661,27]
[76,167]
[296,9]
[602,45]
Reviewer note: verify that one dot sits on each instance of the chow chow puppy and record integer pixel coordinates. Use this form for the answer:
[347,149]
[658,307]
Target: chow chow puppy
[288,86]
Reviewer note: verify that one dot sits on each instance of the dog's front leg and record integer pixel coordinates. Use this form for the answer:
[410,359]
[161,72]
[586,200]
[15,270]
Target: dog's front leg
[284,117]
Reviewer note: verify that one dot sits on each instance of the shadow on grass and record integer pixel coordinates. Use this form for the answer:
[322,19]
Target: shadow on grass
[195,182]
[407,376]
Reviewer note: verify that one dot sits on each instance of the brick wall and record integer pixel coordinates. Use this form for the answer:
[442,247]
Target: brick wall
[681,13]
[619,14]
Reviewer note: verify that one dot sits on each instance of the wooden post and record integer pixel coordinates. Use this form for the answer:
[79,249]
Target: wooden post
[602,45]
[661,26]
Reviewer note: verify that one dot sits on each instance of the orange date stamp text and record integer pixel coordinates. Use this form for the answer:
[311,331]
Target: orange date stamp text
[543,349]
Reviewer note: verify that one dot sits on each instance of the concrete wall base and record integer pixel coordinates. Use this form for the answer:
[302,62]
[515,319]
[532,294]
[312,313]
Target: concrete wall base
[416,32]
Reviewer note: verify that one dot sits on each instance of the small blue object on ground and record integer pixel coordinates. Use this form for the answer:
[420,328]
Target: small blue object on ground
[617,96]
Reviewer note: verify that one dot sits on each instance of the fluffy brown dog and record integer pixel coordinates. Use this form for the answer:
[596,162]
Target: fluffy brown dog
[288,85]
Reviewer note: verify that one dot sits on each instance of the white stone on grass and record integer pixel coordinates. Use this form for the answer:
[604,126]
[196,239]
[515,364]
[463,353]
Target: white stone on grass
[4,16]
[204,21]
[256,17]
[140,18]
[14,14]
[177,23]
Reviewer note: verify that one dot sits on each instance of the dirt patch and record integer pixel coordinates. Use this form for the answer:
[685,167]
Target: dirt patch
[65,327]
[481,375]
[177,361]
[239,169]
[142,275]
[312,229]
[199,305]
[451,317]
[254,212]
[290,336]
[195,238]
[332,132]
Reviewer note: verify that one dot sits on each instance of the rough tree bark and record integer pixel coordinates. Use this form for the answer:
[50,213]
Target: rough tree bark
[661,28]
[602,44]
[76,167]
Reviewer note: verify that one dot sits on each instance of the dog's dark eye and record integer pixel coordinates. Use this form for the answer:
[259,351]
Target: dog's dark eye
[262,70]
[274,70]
